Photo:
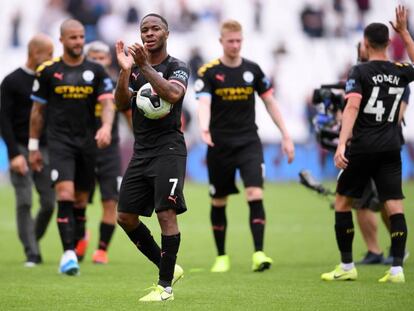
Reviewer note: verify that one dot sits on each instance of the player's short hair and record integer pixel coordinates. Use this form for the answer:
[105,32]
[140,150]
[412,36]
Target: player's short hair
[97,46]
[163,20]
[377,35]
[230,25]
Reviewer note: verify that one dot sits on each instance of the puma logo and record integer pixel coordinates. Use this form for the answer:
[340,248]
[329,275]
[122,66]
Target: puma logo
[58,75]
[173,198]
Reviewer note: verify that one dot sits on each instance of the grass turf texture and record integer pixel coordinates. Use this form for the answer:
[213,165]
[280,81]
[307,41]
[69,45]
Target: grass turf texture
[299,237]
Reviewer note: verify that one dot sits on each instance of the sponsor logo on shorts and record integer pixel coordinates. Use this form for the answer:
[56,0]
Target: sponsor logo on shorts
[54,174]
[173,198]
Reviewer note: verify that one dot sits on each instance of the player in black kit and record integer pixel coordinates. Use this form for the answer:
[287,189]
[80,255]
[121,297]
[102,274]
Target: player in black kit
[369,145]
[226,90]
[107,170]
[67,89]
[154,179]
[14,121]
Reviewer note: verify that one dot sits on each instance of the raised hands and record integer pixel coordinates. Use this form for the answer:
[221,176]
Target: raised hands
[125,60]
[400,23]
[139,54]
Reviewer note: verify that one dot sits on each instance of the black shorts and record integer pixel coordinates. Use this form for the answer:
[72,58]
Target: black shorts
[369,199]
[383,167]
[153,184]
[108,171]
[72,163]
[223,161]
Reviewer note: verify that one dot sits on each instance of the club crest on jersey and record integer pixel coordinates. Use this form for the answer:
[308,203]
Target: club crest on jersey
[350,84]
[88,75]
[36,85]
[248,77]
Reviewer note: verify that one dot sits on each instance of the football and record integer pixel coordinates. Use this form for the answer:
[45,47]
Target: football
[150,104]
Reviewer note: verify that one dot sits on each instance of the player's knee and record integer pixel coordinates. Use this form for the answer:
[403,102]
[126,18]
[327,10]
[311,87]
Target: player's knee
[127,221]
[254,193]
[168,222]
[394,207]
[343,203]
[65,192]
[219,202]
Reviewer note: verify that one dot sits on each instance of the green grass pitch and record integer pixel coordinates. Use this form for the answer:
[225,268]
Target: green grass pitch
[299,237]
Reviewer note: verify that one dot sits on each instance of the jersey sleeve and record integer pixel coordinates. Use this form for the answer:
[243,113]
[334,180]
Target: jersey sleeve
[263,85]
[40,89]
[179,74]
[406,95]
[202,85]
[408,69]
[105,86]
[6,117]
[353,84]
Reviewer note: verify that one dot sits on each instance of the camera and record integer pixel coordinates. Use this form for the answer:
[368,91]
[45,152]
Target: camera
[325,122]
[325,95]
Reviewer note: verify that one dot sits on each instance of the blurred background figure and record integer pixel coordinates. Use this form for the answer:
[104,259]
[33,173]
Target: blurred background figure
[15,111]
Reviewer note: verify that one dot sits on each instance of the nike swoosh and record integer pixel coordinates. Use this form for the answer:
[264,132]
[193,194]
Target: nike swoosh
[336,276]
[166,298]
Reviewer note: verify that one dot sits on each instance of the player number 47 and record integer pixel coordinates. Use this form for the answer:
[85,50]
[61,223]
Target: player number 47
[376,107]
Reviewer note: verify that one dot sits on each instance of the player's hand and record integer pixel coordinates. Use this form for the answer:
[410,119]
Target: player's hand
[400,24]
[139,54]
[288,149]
[18,164]
[206,137]
[340,160]
[103,136]
[36,160]
[125,61]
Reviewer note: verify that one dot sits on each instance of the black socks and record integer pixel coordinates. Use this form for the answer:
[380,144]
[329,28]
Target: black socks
[344,229]
[66,222]
[398,238]
[257,223]
[219,225]
[169,250]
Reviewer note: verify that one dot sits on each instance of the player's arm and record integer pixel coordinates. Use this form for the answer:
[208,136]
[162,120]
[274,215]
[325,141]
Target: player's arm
[272,108]
[204,115]
[122,92]
[401,27]
[348,120]
[166,89]
[18,162]
[35,130]
[103,134]
[403,108]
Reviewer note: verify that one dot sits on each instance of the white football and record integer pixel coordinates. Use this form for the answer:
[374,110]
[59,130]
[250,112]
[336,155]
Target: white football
[150,104]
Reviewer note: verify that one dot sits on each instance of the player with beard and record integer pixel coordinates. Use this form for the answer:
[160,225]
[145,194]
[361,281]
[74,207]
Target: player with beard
[107,171]
[154,179]
[64,96]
